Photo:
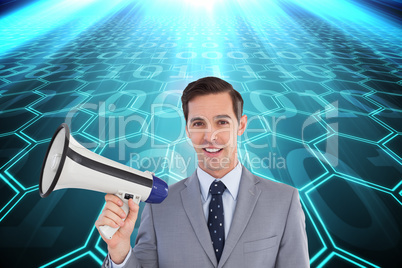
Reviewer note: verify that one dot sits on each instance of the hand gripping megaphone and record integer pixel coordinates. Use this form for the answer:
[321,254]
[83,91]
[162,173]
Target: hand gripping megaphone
[68,164]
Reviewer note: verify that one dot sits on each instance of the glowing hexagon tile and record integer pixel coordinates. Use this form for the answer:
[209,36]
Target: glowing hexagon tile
[13,120]
[20,101]
[389,100]
[302,102]
[20,75]
[338,260]
[55,225]
[258,102]
[240,76]
[273,75]
[112,103]
[114,127]
[55,72]
[352,103]
[307,87]
[154,101]
[355,125]
[60,87]
[171,86]
[361,160]
[282,159]
[59,102]
[378,68]
[395,145]
[357,226]
[384,86]
[44,127]
[381,76]
[21,87]
[295,125]
[346,87]
[8,192]
[90,66]
[11,146]
[171,119]
[267,86]
[85,258]
[391,118]
[147,86]
[101,87]
[165,73]
[348,76]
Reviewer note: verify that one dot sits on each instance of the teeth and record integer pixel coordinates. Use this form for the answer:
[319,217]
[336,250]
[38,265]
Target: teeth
[212,150]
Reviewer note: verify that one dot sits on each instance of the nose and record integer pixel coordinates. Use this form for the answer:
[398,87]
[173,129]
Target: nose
[210,135]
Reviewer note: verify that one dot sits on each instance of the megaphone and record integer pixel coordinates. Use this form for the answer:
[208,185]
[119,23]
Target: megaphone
[68,164]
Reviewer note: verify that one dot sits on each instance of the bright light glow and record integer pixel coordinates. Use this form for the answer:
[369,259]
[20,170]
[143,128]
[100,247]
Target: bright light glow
[46,15]
[207,4]
[43,16]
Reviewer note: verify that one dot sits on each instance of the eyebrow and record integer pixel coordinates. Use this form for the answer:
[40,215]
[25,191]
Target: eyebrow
[221,116]
[196,119]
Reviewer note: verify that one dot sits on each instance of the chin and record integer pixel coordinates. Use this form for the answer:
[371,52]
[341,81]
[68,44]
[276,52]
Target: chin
[214,168]
[217,166]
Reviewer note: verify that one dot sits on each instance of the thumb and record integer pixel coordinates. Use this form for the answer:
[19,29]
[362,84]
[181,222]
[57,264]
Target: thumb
[129,223]
[133,213]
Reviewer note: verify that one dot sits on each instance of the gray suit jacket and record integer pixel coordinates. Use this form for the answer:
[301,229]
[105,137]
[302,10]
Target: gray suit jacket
[268,229]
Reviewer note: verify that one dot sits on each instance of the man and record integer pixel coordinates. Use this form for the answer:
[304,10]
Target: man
[262,223]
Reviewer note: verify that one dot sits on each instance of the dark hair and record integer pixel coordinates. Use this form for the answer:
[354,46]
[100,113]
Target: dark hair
[211,85]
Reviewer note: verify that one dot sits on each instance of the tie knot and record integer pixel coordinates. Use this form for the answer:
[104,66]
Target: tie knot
[217,188]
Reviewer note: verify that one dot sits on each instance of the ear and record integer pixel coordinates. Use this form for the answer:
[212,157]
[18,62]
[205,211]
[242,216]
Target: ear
[242,125]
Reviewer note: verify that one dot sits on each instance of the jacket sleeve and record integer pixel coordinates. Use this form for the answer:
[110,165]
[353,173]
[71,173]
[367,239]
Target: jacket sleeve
[144,254]
[145,249]
[293,249]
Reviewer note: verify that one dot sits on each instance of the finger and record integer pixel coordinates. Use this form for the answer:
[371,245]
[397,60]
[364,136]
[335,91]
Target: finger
[110,216]
[114,199]
[106,221]
[115,209]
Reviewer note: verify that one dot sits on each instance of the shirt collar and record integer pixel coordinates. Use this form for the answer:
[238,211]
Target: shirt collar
[231,181]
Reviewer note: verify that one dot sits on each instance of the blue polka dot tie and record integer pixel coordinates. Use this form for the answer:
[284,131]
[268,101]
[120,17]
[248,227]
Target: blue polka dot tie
[215,218]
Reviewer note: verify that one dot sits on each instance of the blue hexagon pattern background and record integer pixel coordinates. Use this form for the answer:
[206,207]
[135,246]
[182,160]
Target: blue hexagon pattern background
[321,82]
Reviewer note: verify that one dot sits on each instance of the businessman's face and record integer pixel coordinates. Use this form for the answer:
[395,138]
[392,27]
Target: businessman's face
[213,128]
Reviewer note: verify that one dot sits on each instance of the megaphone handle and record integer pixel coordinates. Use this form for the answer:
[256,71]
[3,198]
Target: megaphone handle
[108,231]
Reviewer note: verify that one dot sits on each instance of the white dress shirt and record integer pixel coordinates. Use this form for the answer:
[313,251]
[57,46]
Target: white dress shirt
[229,198]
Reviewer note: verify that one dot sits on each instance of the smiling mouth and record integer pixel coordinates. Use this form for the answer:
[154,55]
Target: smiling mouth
[212,150]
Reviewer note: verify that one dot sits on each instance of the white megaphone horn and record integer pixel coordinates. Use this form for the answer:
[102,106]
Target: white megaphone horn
[68,164]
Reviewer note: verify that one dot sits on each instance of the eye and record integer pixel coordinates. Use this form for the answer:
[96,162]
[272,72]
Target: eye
[198,124]
[223,122]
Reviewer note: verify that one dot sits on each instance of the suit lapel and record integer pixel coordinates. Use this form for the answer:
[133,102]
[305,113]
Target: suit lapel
[191,198]
[246,201]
